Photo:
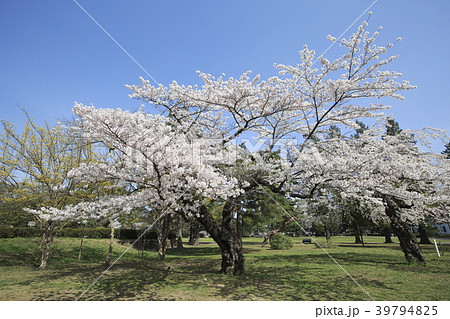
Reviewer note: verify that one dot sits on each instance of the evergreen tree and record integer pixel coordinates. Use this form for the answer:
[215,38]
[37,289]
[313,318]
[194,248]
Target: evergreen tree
[392,127]
[447,150]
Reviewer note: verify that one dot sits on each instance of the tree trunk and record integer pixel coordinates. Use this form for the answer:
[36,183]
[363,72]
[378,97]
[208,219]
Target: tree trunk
[141,243]
[268,238]
[80,251]
[180,234]
[388,239]
[423,234]
[328,236]
[361,235]
[232,257]
[357,231]
[226,236]
[163,235]
[194,232]
[111,242]
[47,239]
[357,239]
[387,235]
[239,227]
[402,230]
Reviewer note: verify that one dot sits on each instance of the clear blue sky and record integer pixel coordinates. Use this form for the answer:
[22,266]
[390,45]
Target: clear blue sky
[52,54]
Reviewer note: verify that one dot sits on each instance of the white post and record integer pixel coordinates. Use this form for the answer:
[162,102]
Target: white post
[437,249]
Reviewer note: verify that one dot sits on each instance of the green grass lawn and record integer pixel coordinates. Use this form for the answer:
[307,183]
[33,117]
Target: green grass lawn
[303,273]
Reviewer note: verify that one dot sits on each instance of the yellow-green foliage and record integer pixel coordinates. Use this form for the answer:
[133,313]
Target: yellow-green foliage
[35,163]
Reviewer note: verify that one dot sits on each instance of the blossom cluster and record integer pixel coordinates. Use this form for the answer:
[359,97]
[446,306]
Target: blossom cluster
[185,157]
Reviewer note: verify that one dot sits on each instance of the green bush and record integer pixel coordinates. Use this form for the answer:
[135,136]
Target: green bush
[97,232]
[11,232]
[280,241]
[134,234]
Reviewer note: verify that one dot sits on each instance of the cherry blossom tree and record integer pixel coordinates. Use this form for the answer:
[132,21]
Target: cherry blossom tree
[154,151]
[389,175]
[162,163]
[51,220]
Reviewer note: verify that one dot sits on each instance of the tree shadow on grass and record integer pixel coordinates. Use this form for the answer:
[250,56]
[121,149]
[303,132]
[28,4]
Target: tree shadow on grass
[294,283]
[127,280]
[194,252]
[296,278]
[368,246]
[123,281]
[300,274]
[202,251]
[357,258]
[20,259]
[287,276]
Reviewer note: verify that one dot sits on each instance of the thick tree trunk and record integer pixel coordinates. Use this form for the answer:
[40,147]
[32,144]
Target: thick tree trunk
[232,256]
[163,235]
[47,239]
[194,234]
[227,236]
[111,242]
[423,234]
[402,230]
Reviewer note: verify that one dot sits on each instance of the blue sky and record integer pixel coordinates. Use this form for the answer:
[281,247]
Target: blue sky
[52,54]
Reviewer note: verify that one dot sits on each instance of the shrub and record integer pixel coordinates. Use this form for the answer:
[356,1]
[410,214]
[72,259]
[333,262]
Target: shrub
[11,232]
[98,232]
[87,232]
[134,234]
[280,241]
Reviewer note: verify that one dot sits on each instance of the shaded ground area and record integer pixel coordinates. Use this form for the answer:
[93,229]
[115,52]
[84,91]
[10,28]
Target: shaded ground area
[302,273]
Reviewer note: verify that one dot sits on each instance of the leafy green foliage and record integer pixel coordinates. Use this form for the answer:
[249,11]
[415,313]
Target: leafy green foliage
[12,232]
[281,242]
[265,210]
[96,232]
[12,214]
[134,234]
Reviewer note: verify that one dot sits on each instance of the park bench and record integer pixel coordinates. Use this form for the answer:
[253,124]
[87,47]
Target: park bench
[306,241]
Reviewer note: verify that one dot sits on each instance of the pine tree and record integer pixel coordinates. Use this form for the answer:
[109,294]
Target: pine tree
[447,150]
[392,127]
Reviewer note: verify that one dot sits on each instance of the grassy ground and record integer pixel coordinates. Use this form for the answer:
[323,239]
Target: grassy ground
[302,273]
